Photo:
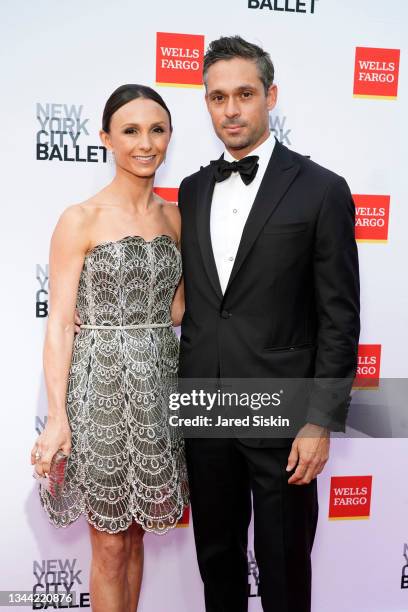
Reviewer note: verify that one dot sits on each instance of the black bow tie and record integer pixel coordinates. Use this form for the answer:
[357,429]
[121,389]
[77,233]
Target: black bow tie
[247,167]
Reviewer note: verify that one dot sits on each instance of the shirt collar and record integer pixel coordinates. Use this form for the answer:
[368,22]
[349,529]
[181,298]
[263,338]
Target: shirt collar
[264,151]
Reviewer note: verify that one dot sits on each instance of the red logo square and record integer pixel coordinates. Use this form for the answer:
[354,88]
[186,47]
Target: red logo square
[372,215]
[376,73]
[350,497]
[368,367]
[167,193]
[179,59]
[185,519]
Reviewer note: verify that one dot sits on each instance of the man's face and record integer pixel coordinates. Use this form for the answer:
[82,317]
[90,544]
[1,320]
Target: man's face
[238,105]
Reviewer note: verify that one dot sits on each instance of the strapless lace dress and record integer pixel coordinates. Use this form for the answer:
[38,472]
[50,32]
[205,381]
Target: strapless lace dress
[126,462]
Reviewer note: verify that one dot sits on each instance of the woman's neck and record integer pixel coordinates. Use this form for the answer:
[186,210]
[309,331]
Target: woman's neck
[130,191]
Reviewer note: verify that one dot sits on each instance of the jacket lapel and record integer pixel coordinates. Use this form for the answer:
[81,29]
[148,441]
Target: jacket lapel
[205,192]
[280,173]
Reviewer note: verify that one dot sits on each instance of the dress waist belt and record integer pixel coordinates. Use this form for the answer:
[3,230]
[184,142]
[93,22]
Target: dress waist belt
[139,326]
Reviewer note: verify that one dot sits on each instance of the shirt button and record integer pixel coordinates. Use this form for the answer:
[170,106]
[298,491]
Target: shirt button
[230,259]
[235,210]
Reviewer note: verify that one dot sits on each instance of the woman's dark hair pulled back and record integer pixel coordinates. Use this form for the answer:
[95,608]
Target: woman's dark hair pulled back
[126,93]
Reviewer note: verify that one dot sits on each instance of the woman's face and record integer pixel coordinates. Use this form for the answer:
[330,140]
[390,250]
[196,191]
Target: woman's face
[139,136]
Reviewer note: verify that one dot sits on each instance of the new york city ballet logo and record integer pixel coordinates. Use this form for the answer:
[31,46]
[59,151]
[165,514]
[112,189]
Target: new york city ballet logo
[61,132]
[40,423]
[179,59]
[287,6]
[59,577]
[350,497]
[372,215]
[368,367]
[376,73]
[404,574]
[41,294]
[280,129]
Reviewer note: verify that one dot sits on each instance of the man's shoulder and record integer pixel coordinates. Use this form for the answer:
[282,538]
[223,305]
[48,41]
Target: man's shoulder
[314,171]
[192,179]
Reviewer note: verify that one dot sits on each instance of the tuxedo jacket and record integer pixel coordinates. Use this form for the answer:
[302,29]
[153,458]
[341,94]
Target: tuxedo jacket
[291,306]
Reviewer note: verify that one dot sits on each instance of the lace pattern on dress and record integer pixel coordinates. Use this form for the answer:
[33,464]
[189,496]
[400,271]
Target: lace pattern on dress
[126,462]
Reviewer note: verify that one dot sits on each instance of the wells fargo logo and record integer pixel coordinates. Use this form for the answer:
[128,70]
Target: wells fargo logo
[372,214]
[185,519]
[368,367]
[179,59]
[376,73]
[167,193]
[350,497]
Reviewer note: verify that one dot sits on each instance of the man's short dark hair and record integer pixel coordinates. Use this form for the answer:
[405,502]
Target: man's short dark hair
[228,47]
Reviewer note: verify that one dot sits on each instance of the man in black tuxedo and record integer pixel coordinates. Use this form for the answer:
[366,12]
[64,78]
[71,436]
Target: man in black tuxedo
[272,290]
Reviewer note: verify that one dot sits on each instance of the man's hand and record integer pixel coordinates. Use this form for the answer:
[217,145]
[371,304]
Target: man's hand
[78,322]
[310,452]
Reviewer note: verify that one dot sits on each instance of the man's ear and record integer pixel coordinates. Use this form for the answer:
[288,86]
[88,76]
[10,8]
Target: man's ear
[272,97]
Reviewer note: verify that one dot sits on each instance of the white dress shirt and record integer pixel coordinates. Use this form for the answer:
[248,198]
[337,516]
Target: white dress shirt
[231,203]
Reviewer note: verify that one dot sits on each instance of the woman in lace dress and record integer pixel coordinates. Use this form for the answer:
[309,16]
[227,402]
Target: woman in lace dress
[116,259]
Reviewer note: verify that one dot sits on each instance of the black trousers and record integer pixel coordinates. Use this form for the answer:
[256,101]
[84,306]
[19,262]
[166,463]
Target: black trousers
[222,474]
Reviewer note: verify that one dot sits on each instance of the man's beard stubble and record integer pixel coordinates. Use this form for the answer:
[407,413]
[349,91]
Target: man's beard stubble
[237,144]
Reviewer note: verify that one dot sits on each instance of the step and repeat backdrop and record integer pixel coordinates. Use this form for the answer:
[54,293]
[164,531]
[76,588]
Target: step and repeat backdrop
[341,69]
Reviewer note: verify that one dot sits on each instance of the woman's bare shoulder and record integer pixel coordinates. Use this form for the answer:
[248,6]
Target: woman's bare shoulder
[78,214]
[75,223]
[88,210]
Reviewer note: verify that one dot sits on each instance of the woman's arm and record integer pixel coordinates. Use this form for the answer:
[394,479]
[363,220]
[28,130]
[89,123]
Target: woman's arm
[172,213]
[68,247]
[178,306]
